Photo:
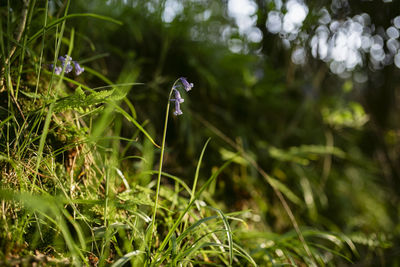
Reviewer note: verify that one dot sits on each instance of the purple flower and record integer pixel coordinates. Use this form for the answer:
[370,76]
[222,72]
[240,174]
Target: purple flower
[68,68]
[67,62]
[178,97]
[186,85]
[78,68]
[178,110]
[178,100]
[67,59]
[57,70]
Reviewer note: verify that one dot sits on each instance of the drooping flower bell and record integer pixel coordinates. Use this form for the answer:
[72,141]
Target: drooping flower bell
[178,98]
[177,110]
[57,70]
[78,68]
[186,85]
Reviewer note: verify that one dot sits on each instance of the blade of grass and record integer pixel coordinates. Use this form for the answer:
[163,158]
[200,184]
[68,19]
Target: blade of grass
[127,257]
[63,19]
[179,219]
[228,232]
[175,178]
[131,119]
[196,176]
[30,8]
[42,48]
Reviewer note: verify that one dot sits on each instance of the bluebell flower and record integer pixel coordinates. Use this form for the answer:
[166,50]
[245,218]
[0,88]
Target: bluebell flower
[178,110]
[68,68]
[57,70]
[178,100]
[66,61]
[178,97]
[186,85]
[78,68]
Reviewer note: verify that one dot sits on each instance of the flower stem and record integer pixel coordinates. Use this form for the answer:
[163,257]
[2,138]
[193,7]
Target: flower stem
[160,166]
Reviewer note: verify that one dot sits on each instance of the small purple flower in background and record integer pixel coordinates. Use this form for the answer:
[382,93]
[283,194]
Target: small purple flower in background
[68,68]
[66,61]
[78,68]
[186,85]
[57,70]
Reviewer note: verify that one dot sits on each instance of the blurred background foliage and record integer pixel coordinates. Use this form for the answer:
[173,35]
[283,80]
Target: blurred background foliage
[310,90]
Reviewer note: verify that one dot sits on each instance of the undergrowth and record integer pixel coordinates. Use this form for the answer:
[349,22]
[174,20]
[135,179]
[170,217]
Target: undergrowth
[76,191]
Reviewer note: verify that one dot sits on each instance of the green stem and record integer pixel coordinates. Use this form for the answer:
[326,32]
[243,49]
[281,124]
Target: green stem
[46,10]
[160,166]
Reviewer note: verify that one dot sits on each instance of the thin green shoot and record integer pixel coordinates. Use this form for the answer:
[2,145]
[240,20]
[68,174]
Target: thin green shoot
[160,165]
